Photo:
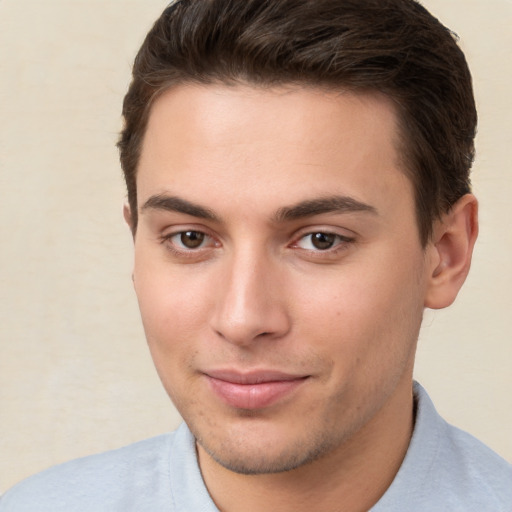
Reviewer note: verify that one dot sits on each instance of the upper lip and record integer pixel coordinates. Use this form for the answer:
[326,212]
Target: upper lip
[253,376]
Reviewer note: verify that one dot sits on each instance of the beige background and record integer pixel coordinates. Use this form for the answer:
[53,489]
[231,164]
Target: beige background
[75,376]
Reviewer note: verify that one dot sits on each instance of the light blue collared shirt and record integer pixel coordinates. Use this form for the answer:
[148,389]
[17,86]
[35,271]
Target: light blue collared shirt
[445,470]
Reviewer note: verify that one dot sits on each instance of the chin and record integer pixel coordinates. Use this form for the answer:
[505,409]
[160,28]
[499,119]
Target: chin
[259,464]
[248,455]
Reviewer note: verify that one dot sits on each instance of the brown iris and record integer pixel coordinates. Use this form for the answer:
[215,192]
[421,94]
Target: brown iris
[323,241]
[192,239]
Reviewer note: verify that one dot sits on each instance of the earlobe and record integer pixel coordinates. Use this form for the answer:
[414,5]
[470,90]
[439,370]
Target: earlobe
[451,250]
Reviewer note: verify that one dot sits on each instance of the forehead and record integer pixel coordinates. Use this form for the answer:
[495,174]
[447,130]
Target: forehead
[301,142]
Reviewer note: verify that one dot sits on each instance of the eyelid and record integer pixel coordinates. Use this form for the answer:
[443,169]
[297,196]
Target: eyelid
[166,240]
[337,238]
[169,236]
[343,243]
[202,242]
[175,229]
[343,233]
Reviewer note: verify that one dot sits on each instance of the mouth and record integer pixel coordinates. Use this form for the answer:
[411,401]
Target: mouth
[253,390]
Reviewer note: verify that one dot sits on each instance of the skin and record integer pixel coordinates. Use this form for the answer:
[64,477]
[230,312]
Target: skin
[249,289]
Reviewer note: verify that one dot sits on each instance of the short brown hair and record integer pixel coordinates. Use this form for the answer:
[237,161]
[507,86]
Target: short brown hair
[395,47]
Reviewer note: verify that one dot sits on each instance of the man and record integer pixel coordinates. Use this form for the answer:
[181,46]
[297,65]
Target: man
[298,186]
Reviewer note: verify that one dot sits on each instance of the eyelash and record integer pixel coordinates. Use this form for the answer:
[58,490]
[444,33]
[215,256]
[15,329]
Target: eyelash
[341,243]
[183,252]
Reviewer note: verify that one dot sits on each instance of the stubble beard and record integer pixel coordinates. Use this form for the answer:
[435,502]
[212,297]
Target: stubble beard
[239,457]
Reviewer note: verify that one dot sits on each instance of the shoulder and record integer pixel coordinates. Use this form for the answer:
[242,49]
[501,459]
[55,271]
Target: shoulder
[447,469]
[98,482]
[464,469]
[467,467]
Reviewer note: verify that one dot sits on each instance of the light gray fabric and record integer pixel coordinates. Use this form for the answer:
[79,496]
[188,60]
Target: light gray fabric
[445,470]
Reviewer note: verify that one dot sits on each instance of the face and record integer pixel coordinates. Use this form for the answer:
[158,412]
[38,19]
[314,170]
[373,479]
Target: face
[278,269]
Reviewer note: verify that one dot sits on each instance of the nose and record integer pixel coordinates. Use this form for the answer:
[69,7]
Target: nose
[251,301]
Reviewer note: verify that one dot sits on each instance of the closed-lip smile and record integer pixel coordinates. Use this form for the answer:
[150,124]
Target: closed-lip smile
[254,389]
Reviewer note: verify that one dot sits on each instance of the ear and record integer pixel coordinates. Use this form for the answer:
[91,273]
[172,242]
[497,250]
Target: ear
[127,214]
[451,249]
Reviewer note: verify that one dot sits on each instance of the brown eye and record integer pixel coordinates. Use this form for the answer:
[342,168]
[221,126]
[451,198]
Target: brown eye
[323,241]
[191,239]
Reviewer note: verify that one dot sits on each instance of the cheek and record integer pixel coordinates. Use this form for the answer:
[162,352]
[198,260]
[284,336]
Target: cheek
[171,316]
[369,313]
[172,307]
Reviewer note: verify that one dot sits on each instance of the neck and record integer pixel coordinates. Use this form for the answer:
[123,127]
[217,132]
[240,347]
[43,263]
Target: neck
[351,478]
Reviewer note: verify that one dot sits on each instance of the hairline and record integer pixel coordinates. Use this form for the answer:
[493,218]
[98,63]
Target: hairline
[401,140]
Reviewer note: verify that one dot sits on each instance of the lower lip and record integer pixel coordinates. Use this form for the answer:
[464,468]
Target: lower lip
[253,396]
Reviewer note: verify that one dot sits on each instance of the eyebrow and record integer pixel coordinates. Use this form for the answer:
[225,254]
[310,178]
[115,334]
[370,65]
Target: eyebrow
[176,204]
[331,204]
[302,209]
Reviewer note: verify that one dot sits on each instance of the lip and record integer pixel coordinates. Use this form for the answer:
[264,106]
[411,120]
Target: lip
[253,390]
